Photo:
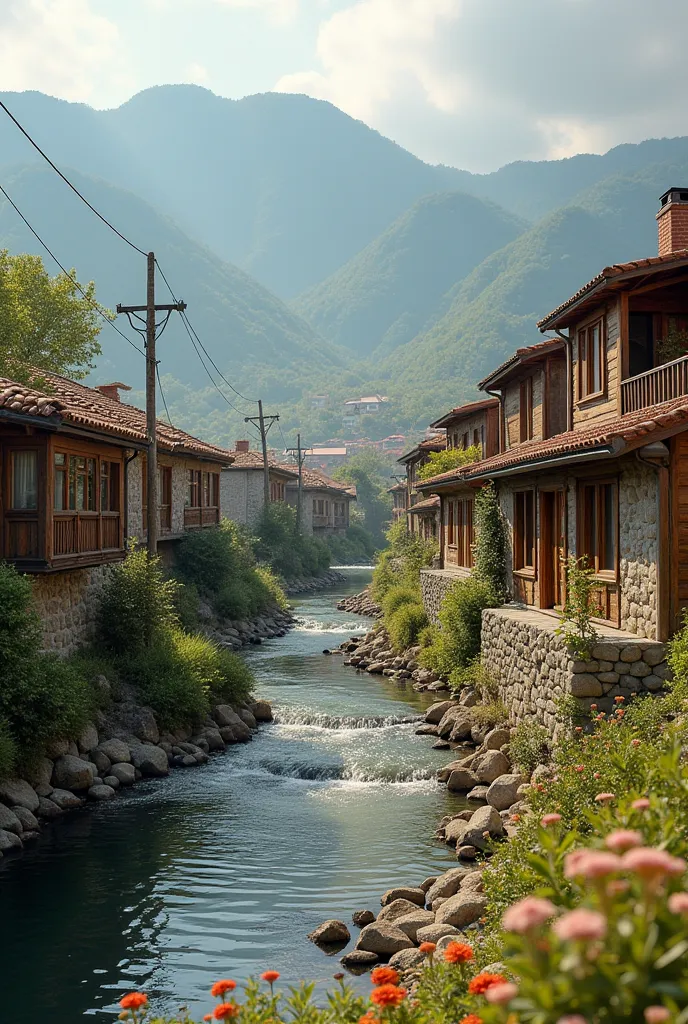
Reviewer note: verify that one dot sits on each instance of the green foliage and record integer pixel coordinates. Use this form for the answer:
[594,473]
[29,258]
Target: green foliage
[405,624]
[400,563]
[8,750]
[170,676]
[677,653]
[450,458]
[235,681]
[186,605]
[396,597]
[370,472]
[492,714]
[579,634]
[490,550]
[137,604]
[529,745]
[278,542]
[457,641]
[356,547]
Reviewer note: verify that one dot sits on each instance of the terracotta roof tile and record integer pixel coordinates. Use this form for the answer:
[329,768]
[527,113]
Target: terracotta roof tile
[314,480]
[521,356]
[254,460]
[469,409]
[430,444]
[426,505]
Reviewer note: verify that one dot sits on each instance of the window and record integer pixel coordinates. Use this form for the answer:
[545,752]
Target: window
[599,526]
[276,490]
[24,480]
[75,483]
[524,530]
[193,490]
[526,410]
[109,485]
[465,441]
[459,523]
[591,356]
[476,437]
[60,502]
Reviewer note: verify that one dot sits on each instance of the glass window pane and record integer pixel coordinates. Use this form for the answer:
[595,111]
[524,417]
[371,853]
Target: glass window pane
[91,480]
[71,502]
[596,359]
[24,480]
[608,556]
[530,529]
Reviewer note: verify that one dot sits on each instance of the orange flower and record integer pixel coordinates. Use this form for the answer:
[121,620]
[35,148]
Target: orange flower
[220,987]
[471,1018]
[384,976]
[480,984]
[208,1016]
[368,1018]
[223,1011]
[427,947]
[458,953]
[133,1001]
[270,976]
[388,995]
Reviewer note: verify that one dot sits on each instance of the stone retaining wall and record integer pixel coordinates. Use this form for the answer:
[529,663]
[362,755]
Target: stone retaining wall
[67,604]
[534,668]
[434,584]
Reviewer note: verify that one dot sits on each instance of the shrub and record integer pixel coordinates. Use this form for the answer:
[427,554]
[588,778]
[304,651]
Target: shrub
[457,641]
[170,677]
[186,605]
[450,458]
[580,636]
[136,605]
[489,552]
[493,713]
[209,558]
[396,596]
[270,588]
[405,624]
[400,563]
[8,750]
[529,745]
[235,680]
[278,543]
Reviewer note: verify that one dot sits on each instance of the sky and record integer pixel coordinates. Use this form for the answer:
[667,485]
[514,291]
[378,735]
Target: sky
[471,83]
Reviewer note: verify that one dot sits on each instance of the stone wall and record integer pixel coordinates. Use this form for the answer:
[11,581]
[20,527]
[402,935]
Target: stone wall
[533,667]
[67,603]
[434,584]
[638,548]
[241,495]
[135,498]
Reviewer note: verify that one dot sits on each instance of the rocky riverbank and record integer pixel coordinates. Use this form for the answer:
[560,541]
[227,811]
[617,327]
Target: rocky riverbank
[310,583]
[374,653]
[361,604]
[240,633]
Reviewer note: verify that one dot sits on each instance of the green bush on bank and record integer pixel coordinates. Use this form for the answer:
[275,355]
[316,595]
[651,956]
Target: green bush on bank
[396,597]
[401,561]
[456,643]
[405,624]
[356,547]
[278,543]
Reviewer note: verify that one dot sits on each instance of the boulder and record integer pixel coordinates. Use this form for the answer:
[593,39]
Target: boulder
[485,819]
[101,761]
[435,932]
[426,730]
[248,718]
[116,750]
[149,760]
[413,895]
[73,773]
[455,723]
[496,739]
[455,830]
[125,773]
[503,792]
[47,809]
[65,800]
[112,781]
[101,793]
[214,739]
[363,917]
[17,792]
[28,820]
[9,821]
[437,711]
[474,881]
[396,909]
[56,748]
[446,885]
[444,773]
[466,852]
[88,738]
[407,959]
[428,883]
[41,772]
[478,794]
[262,712]
[225,715]
[11,841]
[383,938]
[490,765]
[410,923]
[462,909]
[139,722]
[460,780]
[330,932]
[359,958]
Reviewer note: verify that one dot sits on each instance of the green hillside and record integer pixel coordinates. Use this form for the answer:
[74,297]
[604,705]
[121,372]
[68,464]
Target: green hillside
[387,294]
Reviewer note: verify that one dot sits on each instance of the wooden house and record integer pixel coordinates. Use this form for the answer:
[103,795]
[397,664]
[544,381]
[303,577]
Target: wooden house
[243,488]
[413,461]
[326,502]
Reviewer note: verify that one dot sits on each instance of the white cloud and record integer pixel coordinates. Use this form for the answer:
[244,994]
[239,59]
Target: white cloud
[196,74]
[276,10]
[58,47]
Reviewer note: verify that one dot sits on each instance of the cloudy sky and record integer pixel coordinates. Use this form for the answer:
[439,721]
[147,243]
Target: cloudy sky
[473,83]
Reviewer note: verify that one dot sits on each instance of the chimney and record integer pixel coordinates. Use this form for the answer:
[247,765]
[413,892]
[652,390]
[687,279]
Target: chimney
[672,221]
[112,390]
[242,446]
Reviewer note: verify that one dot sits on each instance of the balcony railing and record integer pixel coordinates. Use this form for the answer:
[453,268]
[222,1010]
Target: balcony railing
[655,386]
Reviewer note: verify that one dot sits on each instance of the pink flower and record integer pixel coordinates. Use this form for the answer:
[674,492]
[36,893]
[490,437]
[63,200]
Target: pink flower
[651,863]
[591,864]
[572,1018]
[635,743]
[641,805]
[619,700]
[550,819]
[604,798]
[656,1014]
[678,903]
[617,886]
[623,839]
[528,913]
[502,993]
[584,925]
[595,775]
[579,767]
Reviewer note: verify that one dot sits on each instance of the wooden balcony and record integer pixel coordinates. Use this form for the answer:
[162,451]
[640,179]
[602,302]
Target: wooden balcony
[661,384]
[320,522]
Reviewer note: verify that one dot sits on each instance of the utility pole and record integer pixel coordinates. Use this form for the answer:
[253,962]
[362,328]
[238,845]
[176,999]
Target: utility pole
[301,457]
[260,421]
[150,332]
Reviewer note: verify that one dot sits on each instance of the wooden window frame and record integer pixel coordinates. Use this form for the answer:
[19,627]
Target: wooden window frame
[526,418]
[587,364]
[525,553]
[460,533]
[595,551]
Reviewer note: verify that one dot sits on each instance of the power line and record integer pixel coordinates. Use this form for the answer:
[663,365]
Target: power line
[68,182]
[162,394]
[210,376]
[74,281]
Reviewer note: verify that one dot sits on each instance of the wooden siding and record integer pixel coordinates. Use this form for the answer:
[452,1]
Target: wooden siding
[512,407]
[555,405]
[605,406]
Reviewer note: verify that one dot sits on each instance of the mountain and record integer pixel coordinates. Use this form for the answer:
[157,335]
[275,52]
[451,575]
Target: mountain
[385,296]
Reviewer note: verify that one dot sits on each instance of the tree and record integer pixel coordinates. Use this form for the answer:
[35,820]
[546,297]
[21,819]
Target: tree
[45,322]
[371,472]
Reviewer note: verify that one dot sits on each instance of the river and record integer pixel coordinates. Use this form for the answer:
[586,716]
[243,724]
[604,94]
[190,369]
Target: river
[222,870]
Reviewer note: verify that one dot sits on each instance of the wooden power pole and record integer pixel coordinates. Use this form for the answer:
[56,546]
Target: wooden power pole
[301,458]
[260,421]
[150,332]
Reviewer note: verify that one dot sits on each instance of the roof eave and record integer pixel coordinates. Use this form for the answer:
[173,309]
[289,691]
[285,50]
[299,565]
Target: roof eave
[612,450]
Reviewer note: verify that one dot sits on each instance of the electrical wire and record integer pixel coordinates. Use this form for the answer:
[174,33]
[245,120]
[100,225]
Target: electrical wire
[162,395]
[74,281]
[210,376]
[68,182]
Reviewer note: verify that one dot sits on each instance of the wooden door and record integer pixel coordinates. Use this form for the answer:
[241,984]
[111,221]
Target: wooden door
[552,548]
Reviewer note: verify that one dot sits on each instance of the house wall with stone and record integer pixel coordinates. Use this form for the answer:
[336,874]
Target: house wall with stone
[434,586]
[135,498]
[241,495]
[67,603]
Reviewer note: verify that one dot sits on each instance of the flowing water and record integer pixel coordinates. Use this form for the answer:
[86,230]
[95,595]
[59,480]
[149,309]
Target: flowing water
[222,870]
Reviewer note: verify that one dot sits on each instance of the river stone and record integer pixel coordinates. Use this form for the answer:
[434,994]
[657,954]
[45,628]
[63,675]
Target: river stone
[124,772]
[9,821]
[446,885]
[490,765]
[73,773]
[444,773]
[437,711]
[101,761]
[138,721]
[428,883]
[359,958]
[410,923]
[112,781]
[396,909]
[363,917]
[485,819]
[466,852]
[116,750]
[101,792]
[248,718]
[478,794]
[11,841]
[18,792]
[262,712]
[225,715]
[28,820]
[214,739]
[149,760]
[455,830]
[435,932]
[227,734]
[474,882]
[462,909]
[427,730]
[56,748]
[65,800]
[47,809]
[40,772]
[460,780]
[456,720]
[407,959]
[413,895]
[496,739]
[383,938]
[330,932]
[88,738]
[503,792]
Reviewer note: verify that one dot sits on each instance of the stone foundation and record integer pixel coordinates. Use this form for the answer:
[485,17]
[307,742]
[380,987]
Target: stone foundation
[67,603]
[534,668]
[434,584]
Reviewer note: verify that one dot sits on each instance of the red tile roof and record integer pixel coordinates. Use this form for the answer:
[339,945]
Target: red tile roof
[520,357]
[430,504]
[430,444]
[254,460]
[617,272]
[469,409]
[314,480]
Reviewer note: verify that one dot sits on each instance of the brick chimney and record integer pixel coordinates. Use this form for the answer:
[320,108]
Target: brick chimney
[672,221]
[112,390]
[242,446]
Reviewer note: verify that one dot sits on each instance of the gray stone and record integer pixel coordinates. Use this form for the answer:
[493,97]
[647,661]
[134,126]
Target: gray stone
[88,738]
[330,932]
[73,773]
[653,683]
[396,909]
[410,923]
[640,669]
[18,792]
[40,772]
[489,766]
[461,779]
[225,715]
[473,881]
[485,819]
[605,652]
[407,960]
[455,830]
[437,711]
[413,895]
[124,772]
[503,792]
[455,723]
[101,793]
[585,685]
[28,820]
[435,932]
[227,734]
[149,760]
[11,841]
[444,773]
[478,794]
[56,748]
[446,885]
[47,809]
[655,655]
[101,761]
[139,722]
[65,800]
[630,653]
[9,821]
[466,852]
[462,909]
[383,938]
[262,711]
[112,781]
[496,739]
[115,750]
[248,719]
[363,917]
[428,883]
[214,739]
[358,958]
